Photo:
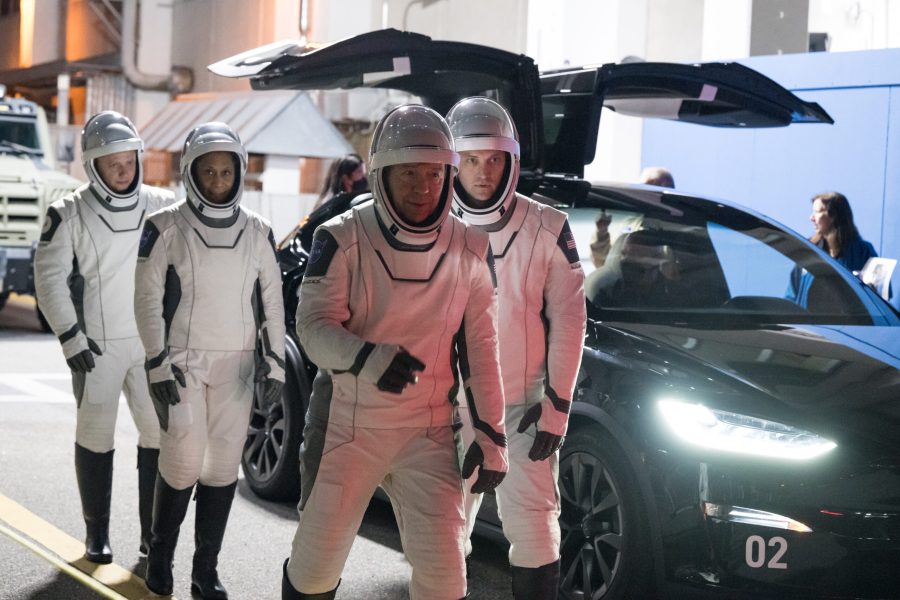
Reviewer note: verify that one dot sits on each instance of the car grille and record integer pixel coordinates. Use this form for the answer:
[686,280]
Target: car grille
[20,218]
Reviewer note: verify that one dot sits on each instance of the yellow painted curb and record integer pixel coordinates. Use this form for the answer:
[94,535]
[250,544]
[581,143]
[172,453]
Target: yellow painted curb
[49,542]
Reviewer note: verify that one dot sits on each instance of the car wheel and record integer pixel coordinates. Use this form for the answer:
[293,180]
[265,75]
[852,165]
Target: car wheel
[4,296]
[604,547]
[271,460]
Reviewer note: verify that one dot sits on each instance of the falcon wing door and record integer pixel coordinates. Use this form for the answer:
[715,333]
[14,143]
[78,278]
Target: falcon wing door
[713,94]
[439,72]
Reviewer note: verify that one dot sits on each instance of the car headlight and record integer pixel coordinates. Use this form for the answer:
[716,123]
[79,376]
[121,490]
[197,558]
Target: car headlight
[734,432]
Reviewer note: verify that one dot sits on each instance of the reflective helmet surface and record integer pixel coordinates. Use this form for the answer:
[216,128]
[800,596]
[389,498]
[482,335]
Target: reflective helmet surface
[106,133]
[411,133]
[210,137]
[482,124]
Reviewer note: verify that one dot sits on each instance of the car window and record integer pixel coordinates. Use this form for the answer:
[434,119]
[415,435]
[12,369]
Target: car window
[751,268]
[664,263]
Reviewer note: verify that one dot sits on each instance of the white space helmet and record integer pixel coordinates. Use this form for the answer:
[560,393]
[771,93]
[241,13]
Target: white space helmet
[105,133]
[482,124]
[209,137]
[411,133]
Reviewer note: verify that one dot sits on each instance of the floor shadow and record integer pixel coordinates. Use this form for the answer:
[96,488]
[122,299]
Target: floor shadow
[286,510]
[62,586]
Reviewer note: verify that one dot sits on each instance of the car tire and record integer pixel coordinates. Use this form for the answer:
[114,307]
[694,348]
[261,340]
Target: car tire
[4,296]
[605,541]
[271,459]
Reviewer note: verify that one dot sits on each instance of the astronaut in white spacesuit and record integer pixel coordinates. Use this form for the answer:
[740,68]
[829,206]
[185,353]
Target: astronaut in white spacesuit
[540,285]
[397,298]
[207,291]
[84,277]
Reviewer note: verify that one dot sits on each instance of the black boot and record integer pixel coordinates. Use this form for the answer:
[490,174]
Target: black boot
[213,506]
[541,583]
[169,508]
[289,593]
[94,473]
[147,464]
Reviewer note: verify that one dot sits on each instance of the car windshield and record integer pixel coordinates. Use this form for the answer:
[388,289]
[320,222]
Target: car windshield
[19,133]
[675,258]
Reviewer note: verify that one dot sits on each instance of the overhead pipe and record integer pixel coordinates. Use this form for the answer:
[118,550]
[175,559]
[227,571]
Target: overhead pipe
[178,80]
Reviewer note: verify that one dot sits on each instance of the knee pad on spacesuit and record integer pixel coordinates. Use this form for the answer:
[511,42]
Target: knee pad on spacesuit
[534,538]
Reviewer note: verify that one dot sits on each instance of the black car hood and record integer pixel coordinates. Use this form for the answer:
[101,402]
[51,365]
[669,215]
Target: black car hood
[799,365]
[835,376]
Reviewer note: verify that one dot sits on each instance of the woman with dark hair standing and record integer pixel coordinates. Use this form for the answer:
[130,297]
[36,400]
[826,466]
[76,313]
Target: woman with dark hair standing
[346,180]
[836,233]
[345,176]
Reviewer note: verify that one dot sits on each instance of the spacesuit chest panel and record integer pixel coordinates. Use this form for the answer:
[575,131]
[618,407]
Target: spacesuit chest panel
[217,270]
[414,266]
[106,250]
[502,240]
[422,316]
[521,278]
[116,220]
[215,237]
[521,269]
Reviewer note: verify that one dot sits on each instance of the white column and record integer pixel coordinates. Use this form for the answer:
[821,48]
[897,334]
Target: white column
[287,19]
[726,29]
[48,38]
[281,174]
[62,99]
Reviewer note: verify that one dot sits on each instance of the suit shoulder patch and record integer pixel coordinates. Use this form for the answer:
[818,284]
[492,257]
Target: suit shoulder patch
[51,224]
[148,239]
[324,246]
[566,243]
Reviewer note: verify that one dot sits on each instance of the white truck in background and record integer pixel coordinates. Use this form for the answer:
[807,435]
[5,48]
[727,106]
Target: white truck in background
[29,182]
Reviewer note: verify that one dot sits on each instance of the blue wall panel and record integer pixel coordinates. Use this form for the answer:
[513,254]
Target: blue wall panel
[777,171]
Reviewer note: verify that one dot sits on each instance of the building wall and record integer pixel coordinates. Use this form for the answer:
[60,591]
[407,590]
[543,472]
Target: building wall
[9,41]
[209,30]
[857,24]
[498,23]
[85,35]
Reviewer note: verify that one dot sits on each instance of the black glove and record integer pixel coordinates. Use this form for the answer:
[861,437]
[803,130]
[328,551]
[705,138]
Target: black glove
[545,443]
[400,373]
[487,480]
[271,393]
[166,392]
[83,362]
